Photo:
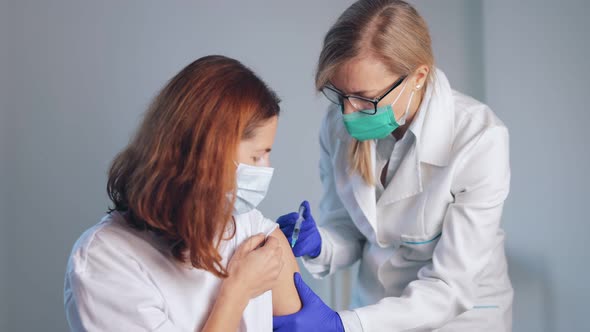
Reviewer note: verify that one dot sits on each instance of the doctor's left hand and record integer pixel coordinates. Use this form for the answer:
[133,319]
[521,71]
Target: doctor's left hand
[314,315]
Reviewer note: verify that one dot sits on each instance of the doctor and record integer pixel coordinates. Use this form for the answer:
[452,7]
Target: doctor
[415,176]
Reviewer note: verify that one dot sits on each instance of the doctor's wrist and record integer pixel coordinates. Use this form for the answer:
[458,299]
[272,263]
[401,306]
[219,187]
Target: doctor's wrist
[316,251]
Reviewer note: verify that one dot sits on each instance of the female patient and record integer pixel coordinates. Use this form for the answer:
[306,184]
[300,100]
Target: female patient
[183,248]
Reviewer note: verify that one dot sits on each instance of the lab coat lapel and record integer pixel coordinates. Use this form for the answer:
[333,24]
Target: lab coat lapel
[432,146]
[406,182]
[358,196]
[438,129]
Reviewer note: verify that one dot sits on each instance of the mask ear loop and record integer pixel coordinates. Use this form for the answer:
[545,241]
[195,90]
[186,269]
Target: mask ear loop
[400,93]
[402,120]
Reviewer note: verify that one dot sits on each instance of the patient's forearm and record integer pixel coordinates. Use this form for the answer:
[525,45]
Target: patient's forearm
[227,311]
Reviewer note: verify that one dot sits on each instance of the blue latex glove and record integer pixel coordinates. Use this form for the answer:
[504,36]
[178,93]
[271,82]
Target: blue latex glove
[314,315]
[310,241]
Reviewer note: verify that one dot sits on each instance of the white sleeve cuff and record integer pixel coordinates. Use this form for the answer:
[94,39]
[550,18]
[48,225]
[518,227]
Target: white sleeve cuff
[350,321]
[319,267]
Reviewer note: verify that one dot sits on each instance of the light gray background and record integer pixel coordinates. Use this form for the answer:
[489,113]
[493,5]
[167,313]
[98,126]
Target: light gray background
[4,267]
[76,76]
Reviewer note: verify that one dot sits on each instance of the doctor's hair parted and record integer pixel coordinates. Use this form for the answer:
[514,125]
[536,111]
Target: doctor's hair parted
[391,31]
[175,175]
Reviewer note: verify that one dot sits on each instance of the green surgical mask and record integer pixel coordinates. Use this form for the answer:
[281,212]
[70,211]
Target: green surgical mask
[364,126]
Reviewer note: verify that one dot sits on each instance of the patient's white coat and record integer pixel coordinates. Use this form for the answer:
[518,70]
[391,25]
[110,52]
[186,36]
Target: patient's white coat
[122,279]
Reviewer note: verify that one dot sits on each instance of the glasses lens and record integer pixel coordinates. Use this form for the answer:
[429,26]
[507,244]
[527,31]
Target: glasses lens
[362,106]
[332,96]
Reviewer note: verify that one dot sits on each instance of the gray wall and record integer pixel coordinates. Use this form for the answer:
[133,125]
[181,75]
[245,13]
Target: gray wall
[455,28]
[84,73]
[4,156]
[537,71]
[79,76]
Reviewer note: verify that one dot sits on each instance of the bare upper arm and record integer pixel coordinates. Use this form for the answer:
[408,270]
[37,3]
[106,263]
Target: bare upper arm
[285,299]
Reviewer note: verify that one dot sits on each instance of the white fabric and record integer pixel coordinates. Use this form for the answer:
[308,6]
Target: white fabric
[391,152]
[121,279]
[431,248]
[350,320]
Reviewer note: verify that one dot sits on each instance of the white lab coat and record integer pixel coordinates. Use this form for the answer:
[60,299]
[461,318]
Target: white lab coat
[121,279]
[431,248]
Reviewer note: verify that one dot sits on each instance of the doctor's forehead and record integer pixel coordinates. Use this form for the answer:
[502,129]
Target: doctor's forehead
[362,76]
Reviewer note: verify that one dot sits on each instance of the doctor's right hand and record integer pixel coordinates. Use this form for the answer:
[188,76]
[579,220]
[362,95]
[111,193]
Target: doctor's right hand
[310,241]
[254,267]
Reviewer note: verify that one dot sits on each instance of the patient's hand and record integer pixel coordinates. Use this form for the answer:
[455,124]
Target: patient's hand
[254,270]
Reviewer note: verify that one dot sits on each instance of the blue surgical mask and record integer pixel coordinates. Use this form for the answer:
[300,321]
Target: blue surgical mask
[252,186]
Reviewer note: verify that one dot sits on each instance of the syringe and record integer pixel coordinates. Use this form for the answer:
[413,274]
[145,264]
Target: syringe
[297,228]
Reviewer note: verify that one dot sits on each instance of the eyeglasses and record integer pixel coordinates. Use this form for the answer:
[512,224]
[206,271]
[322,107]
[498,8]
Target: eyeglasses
[360,104]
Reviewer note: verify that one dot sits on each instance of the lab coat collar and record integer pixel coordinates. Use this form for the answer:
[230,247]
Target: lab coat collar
[438,124]
[434,130]
[357,196]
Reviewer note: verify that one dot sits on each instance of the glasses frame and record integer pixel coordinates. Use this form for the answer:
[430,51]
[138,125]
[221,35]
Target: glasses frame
[374,101]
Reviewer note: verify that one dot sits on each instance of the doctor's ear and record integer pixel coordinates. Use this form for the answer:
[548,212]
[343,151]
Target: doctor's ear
[420,76]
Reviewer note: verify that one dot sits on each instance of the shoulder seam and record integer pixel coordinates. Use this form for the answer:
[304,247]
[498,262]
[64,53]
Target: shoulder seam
[88,242]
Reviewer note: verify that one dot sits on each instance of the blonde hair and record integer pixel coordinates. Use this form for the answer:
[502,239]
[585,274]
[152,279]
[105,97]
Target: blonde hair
[390,30]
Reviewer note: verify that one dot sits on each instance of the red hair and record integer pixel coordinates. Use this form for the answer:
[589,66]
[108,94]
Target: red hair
[175,174]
